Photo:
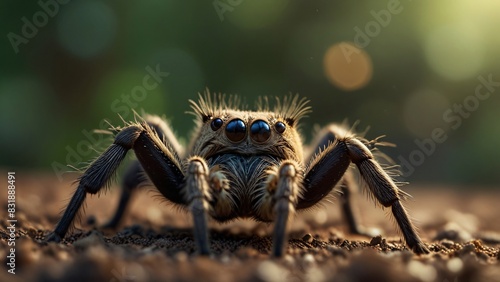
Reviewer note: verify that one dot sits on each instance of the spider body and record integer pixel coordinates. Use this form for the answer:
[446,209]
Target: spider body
[242,164]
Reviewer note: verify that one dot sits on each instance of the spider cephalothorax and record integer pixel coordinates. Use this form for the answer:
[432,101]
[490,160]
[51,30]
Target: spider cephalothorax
[242,163]
[266,132]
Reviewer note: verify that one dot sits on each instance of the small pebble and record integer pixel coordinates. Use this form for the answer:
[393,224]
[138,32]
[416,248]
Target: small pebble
[453,231]
[181,257]
[148,250]
[465,221]
[63,255]
[289,260]
[32,232]
[467,249]
[225,259]
[309,259]
[308,238]
[407,255]
[314,274]
[482,256]
[154,215]
[95,238]
[455,265]
[246,252]
[447,243]
[270,271]
[337,251]
[135,272]
[384,244]
[321,217]
[346,244]
[97,253]
[376,240]
[490,237]
[421,271]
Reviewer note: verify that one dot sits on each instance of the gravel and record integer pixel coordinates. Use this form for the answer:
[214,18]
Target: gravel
[463,240]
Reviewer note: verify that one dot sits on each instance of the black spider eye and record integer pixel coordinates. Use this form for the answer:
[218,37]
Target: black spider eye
[280,127]
[216,124]
[260,131]
[236,130]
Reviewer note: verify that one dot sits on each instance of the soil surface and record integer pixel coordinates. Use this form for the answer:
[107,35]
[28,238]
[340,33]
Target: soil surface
[155,243]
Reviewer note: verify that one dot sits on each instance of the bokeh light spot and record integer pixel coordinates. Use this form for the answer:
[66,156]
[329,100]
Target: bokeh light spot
[257,13]
[186,73]
[87,28]
[347,66]
[423,112]
[454,51]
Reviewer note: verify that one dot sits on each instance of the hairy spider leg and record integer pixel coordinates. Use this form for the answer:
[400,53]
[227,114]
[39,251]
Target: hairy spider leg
[197,194]
[158,160]
[134,176]
[283,203]
[328,167]
[348,187]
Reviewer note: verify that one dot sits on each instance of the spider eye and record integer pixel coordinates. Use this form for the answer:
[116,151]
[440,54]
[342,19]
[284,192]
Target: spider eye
[260,131]
[236,130]
[216,124]
[280,127]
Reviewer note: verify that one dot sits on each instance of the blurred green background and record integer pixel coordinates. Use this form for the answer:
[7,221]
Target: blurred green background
[401,67]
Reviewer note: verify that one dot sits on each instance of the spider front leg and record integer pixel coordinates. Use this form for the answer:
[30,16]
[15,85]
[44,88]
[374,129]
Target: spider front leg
[132,179]
[327,168]
[385,191]
[197,195]
[348,186]
[285,198]
[158,160]
[135,175]
[281,194]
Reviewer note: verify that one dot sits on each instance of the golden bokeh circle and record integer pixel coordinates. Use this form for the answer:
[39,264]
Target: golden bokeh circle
[347,66]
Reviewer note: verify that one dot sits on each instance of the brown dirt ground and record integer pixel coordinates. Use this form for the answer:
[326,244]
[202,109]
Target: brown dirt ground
[154,243]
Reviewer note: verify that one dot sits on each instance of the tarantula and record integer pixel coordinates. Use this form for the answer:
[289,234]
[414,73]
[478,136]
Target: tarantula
[244,164]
